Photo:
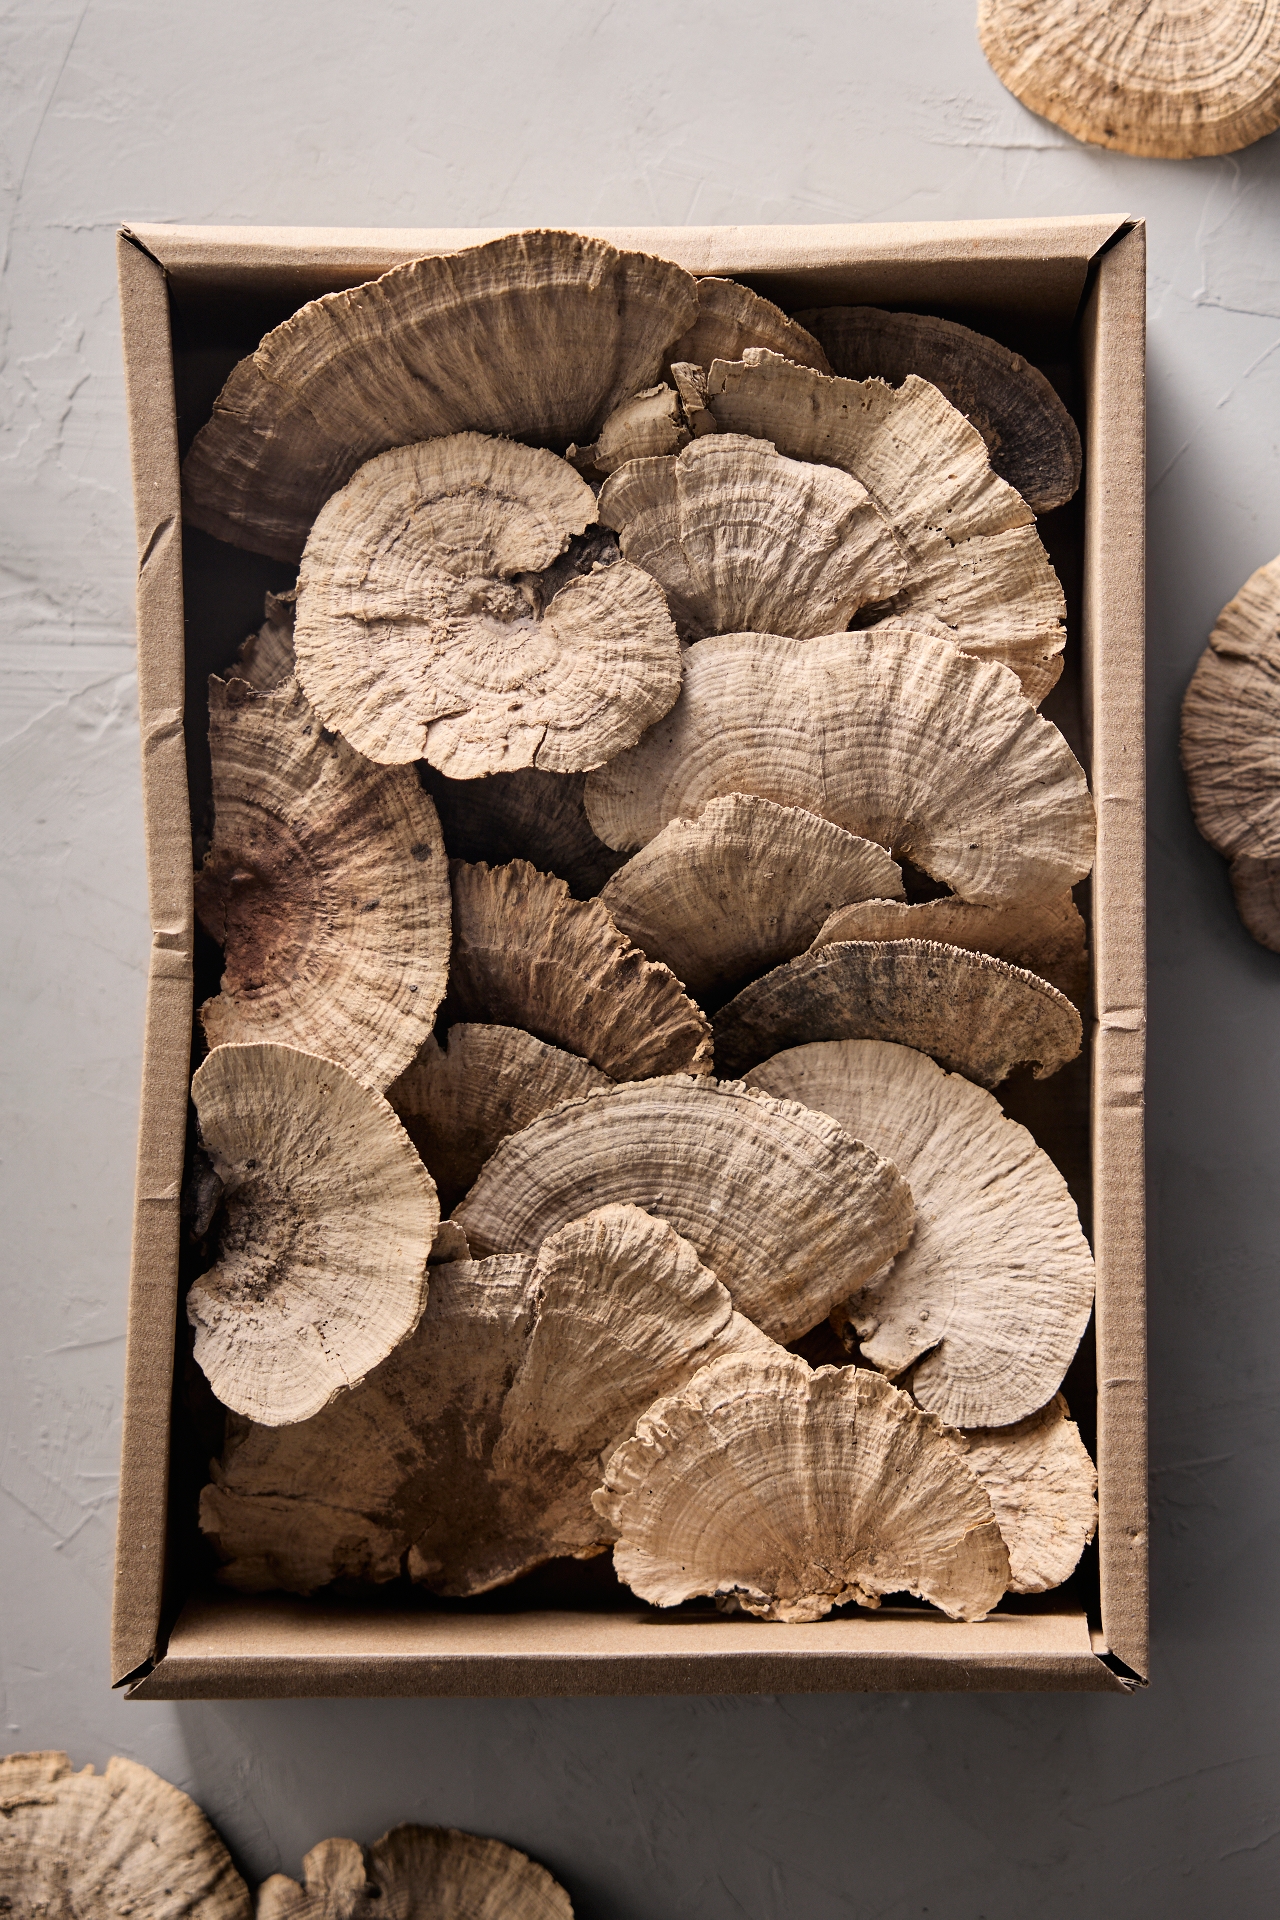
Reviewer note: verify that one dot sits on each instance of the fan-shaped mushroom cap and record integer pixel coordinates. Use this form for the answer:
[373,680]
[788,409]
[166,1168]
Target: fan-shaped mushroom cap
[741,539]
[108,1845]
[778,1202]
[732,318]
[993,1292]
[421,632]
[1231,748]
[326,886]
[535,335]
[416,1873]
[265,659]
[1167,79]
[329,1219]
[977,1016]
[648,424]
[1041,1484]
[897,737]
[457,1104]
[740,888]
[1047,936]
[526,954]
[1031,439]
[791,1492]
[529,815]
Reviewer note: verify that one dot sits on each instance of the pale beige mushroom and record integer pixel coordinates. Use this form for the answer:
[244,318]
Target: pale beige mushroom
[740,539]
[782,1206]
[118,1845]
[732,318]
[326,886]
[265,659]
[990,1298]
[1031,439]
[1167,79]
[535,335]
[1045,936]
[648,424]
[1231,748]
[788,1492]
[529,815]
[741,888]
[426,630]
[974,559]
[1041,1484]
[526,954]
[977,1016]
[416,1873]
[897,737]
[329,1216]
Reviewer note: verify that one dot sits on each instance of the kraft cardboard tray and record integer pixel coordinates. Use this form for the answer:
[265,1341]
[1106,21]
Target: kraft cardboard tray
[1067,293]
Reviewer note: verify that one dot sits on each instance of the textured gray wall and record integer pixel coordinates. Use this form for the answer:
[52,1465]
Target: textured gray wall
[558,111]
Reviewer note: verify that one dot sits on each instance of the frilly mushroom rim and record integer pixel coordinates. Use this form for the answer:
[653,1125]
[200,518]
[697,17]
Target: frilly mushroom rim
[416,1871]
[1046,937]
[265,658]
[1041,1484]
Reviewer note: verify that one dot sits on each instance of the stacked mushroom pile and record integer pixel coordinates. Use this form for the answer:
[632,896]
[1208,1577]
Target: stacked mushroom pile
[570,819]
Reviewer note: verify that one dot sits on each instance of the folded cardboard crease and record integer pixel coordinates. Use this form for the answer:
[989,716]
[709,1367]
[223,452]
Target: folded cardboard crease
[227,1645]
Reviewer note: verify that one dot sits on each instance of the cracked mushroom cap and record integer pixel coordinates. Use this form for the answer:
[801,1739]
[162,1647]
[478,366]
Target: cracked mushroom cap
[742,540]
[781,1205]
[113,1845]
[1231,748]
[329,1220]
[1046,937]
[416,1873]
[791,1492]
[1041,1484]
[428,627]
[1166,79]
[732,318]
[530,815]
[535,335]
[648,424]
[741,888]
[326,886]
[991,1296]
[896,737]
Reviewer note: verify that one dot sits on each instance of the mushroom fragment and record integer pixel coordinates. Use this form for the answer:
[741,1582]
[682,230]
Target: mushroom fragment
[789,1212]
[535,335]
[740,888]
[526,954]
[529,815]
[1041,1484]
[433,624]
[732,318]
[649,423]
[989,1300]
[897,737]
[1045,936]
[416,1873]
[788,1492]
[740,539]
[326,886]
[329,1220]
[1231,748]
[265,659]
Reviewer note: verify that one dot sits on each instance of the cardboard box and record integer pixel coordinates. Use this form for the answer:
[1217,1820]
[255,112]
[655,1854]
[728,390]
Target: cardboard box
[1069,294]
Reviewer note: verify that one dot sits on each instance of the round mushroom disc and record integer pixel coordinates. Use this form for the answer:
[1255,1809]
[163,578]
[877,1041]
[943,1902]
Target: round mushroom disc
[1166,79]
[421,632]
[529,815]
[992,1294]
[535,335]
[897,737]
[740,539]
[265,659]
[975,1015]
[1031,439]
[744,886]
[329,1219]
[732,318]
[526,954]
[791,1492]
[118,1842]
[1047,937]
[416,1873]
[1041,1484]
[326,886]
[781,1205]
[1231,748]
[974,559]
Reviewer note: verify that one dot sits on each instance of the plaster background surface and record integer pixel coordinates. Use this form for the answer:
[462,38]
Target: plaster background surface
[390,113]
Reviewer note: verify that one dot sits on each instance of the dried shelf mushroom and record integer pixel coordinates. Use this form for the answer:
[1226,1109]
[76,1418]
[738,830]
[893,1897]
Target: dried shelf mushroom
[1031,439]
[741,888]
[530,815]
[118,1845]
[990,1298]
[897,737]
[649,423]
[1041,1484]
[326,886]
[433,624]
[742,540]
[780,1203]
[535,335]
[329,1216]
[1165,79]
[732,318]
[788,1493]
[265,659]
[416,1873]
[1045,936]
[526,954]
[1231,748]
